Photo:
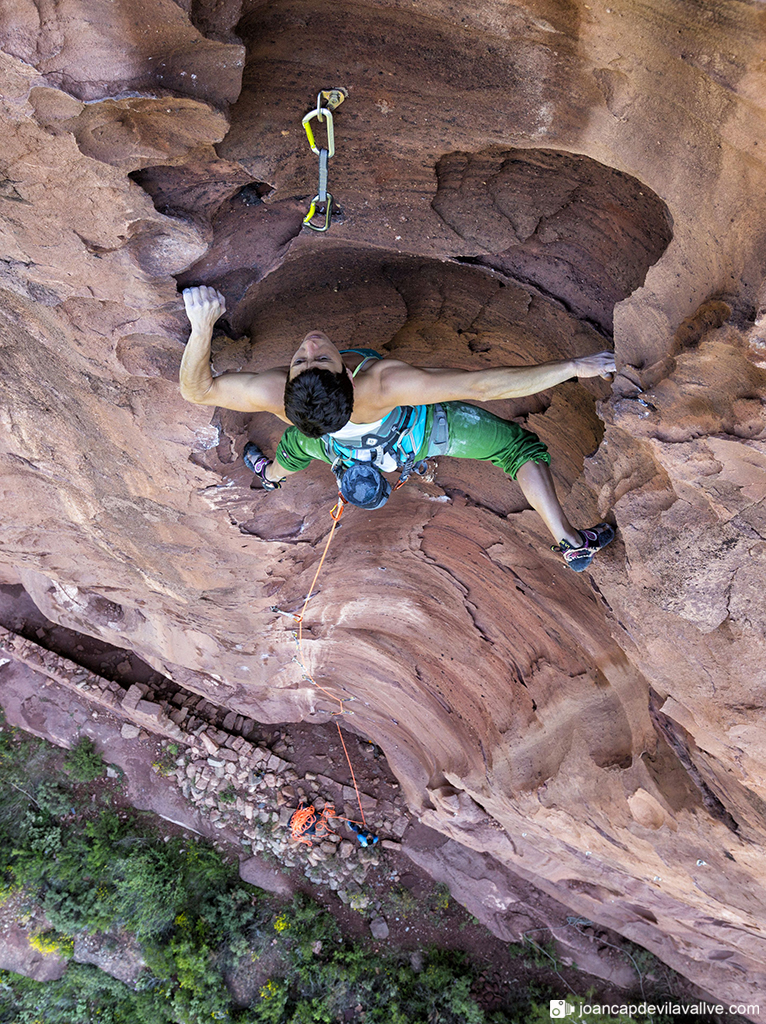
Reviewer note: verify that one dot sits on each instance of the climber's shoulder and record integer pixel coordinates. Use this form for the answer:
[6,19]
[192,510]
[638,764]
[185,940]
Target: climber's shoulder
[249,392]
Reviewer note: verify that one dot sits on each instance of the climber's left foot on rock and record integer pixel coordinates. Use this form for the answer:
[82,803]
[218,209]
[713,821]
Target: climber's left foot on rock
[579,558]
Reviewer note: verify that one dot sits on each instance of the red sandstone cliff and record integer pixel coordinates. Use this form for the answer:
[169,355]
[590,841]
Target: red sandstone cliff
[516,181]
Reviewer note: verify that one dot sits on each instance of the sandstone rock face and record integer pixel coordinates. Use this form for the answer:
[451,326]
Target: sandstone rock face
[515,182]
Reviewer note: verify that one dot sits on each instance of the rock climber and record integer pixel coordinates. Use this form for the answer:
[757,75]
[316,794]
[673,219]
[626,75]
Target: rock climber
[366,415]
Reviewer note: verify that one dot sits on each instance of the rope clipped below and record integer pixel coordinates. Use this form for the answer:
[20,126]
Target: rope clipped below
[304,822]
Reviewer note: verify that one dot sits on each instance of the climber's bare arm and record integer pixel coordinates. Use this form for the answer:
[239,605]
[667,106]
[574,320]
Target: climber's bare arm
[400,384]
[243,392]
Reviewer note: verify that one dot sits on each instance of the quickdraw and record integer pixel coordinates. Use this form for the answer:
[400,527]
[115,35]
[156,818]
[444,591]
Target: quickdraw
[321,204]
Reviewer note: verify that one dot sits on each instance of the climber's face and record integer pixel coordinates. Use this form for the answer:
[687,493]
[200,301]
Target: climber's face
[316,350]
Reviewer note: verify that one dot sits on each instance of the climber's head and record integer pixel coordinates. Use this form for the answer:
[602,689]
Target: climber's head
[319,394]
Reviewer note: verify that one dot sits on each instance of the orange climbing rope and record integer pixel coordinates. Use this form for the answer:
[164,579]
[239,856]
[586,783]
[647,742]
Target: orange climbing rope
[353,779]
[336,512]
[305,822]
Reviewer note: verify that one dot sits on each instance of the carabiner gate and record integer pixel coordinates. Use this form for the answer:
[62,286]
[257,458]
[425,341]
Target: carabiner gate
[313,212]
[323,114]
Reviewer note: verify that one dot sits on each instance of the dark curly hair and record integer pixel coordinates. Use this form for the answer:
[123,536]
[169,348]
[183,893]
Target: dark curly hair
[319,401]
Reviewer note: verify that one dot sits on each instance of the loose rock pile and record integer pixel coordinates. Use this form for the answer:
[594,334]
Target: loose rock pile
[223,765]
[251,789]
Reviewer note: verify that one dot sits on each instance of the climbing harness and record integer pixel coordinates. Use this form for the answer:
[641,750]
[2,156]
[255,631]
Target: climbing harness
[359,460]
[400,436]
[333,99]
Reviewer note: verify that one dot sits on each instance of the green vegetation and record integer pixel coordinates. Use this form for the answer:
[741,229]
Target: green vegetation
[83,762]
[439,900]
[203,933]
[52,942]
[401,903]
[541,953]
[165,764]
[53,799]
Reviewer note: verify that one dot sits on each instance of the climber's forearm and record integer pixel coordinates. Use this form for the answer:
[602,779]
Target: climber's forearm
[519,381]
[196,377]
[402,384]
[203,307]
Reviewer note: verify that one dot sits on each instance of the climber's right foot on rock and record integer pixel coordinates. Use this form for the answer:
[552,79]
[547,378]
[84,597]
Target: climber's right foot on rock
[254,458]
[257,463]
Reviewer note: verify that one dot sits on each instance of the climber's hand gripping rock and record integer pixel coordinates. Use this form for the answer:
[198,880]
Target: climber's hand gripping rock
[204,305]
[601,364]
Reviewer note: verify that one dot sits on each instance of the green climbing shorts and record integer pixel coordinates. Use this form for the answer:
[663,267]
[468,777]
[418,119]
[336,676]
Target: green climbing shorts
[477,434]
[474,433]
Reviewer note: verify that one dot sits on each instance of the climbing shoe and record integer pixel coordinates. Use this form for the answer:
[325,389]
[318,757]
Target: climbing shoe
[257,462]
[594,540]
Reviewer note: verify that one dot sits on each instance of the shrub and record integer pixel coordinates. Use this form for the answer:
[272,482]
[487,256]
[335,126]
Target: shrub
[439,900]
[149,894]
[401,902]
[82,996]
[24,763]
[83,762]
[53,799]
[52,942]
[269,1007]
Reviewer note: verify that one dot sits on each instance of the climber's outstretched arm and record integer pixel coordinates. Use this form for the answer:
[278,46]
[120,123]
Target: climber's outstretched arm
[401,384]
[243,392]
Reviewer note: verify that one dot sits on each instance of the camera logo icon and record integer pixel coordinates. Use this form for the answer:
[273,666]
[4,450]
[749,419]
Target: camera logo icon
[560,1008]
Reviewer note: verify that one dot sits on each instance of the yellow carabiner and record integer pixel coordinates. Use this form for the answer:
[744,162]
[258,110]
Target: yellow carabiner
[312,213]
[323,114]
